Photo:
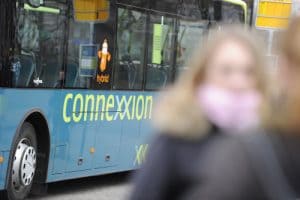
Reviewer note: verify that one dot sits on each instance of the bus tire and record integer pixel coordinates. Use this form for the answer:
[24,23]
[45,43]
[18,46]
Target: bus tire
[22,164]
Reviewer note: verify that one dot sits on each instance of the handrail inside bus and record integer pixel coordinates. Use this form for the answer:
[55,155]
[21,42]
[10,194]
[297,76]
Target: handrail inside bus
[241,3]
[42,9]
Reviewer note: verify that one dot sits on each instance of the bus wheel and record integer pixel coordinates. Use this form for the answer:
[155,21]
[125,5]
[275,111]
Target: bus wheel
[23,164]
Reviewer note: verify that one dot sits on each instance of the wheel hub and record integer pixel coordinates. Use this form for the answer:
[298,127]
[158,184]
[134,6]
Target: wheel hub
[24,164]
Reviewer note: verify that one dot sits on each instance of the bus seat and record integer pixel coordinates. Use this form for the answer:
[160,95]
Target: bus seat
[50,74]
[123,82]
[26,70]
[156,78]
[132,72]
[128,71]
[71,74]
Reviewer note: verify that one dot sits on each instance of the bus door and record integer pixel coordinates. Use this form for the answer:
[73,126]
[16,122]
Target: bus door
[129,75]
[90,56]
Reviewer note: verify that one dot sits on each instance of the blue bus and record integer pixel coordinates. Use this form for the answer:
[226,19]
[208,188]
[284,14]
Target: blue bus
[78,80]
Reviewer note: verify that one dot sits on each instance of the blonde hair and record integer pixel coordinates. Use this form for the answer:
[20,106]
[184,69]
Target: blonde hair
[247,37]
[286,110]
[179,100]
[290,42]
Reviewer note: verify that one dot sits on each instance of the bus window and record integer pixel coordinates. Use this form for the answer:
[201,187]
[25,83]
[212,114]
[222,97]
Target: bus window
[190,35]
[80,41]
[91,10]
[230,11]
[136,3]
[90,52]
[130,51]
[194,10]
[40,36]
[161,52]
[165,6]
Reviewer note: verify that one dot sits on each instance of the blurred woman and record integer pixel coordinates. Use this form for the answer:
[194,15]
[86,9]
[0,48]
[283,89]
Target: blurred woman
[222,92]
[267,164]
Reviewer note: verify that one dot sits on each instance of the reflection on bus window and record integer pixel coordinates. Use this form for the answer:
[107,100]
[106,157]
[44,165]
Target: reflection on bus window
[161,52]
[131,45]
[39,53]
[189,36]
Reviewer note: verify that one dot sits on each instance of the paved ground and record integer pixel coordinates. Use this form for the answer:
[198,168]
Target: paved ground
[108,187]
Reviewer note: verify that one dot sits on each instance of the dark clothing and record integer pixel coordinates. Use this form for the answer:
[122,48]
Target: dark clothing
[215,167]
[230,173]
[171,168]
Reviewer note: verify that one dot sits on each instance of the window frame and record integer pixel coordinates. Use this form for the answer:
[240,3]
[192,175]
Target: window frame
[174,47]
[148,13]
[137,9]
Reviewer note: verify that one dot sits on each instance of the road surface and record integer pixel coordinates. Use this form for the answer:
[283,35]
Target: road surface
[106,187]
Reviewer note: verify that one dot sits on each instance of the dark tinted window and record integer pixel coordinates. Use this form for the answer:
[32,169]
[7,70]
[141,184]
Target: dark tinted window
[137,3]
[193,9]
[228,12]
[168,6]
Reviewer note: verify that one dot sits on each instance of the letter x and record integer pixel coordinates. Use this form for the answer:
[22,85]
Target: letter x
[140,154]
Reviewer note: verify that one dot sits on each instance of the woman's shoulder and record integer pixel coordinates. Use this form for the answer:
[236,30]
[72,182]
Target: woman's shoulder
[166,145]
[166,139]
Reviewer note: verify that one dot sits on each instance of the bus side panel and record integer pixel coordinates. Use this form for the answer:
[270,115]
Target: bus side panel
[15,105]
[85,140]
[107,144]
[101,132]
[3,167]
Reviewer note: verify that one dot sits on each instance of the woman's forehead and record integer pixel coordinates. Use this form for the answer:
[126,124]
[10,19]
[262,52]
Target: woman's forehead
[232,50]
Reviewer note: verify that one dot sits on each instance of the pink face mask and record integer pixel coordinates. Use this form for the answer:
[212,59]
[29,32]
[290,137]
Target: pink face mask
[230,111]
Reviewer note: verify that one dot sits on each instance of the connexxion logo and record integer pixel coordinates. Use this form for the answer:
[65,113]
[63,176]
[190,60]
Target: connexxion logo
[89,107]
